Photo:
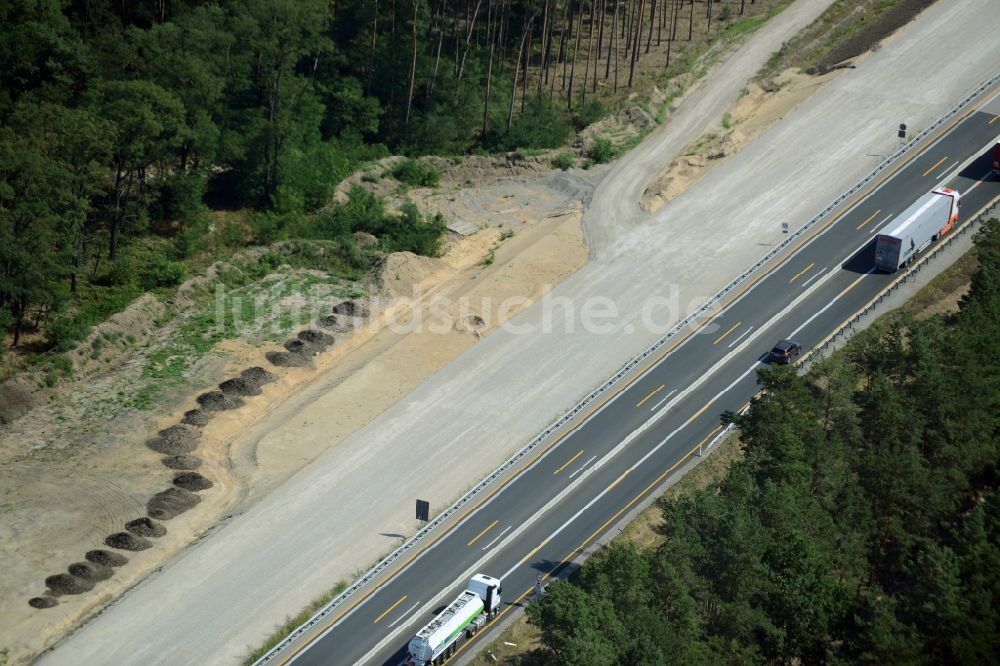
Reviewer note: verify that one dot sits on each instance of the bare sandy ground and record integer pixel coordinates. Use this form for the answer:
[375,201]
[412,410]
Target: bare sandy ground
[57,506]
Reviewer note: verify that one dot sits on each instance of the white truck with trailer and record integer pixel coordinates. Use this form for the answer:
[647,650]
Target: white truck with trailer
[930,217]
[461,619]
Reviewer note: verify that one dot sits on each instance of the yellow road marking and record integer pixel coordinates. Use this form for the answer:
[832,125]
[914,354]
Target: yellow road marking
[944,129]
[869,219]
[654,392]
[936,165]
[618,480]
[390,609]
[801,273]
[568,462]
[700,411]
[995,118]
[488,528]
[851,286]
[723,336]
[532,553]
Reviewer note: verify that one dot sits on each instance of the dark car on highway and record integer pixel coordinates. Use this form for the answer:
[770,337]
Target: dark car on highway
[785,352]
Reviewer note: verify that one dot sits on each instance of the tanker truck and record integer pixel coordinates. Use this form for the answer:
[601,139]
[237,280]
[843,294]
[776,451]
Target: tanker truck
[460,620]
[930,217]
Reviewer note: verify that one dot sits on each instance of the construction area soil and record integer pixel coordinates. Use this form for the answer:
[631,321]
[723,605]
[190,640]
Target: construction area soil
[85,478]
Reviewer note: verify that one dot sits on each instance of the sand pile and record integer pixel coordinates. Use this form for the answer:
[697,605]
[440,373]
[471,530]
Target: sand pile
[68,584]
[175,440]
[171,502]
[287,359]
[183,462]
[126,541]
[145,527]
[217,401]
[42,602]
[106,558]
[90,571]
[196,417]
[192,481]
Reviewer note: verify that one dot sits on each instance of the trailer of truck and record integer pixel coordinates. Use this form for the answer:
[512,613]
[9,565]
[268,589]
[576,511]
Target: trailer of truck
[930,217]
[460,620]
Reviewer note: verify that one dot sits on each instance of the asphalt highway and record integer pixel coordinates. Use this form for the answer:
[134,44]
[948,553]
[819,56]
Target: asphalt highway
[569,496]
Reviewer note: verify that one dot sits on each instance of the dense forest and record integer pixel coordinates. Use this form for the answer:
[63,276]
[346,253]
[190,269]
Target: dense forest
[122,122]
[862,525]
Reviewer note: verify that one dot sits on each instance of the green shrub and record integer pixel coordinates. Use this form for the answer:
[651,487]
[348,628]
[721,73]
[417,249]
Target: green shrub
[63,365]
[588,114]
[160,271]
[64,331]
[602,151]
[123,272]
[564,160]
[417,174]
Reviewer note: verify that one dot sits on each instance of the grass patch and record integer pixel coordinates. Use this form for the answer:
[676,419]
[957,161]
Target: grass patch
[564,160]
[294,621]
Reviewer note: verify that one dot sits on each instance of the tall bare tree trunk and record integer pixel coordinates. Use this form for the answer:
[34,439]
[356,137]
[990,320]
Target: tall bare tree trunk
[468,41]
[562,53]
[576,49]
[371,56]
[491,22]
[517,70]
[691,22]
[635,43]
[671,29]
[611,39]
[652,22]
[590,50]
[413,65]
[542,70]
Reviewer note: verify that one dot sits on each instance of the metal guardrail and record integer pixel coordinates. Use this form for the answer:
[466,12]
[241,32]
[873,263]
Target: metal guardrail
[846,330]
[415,541]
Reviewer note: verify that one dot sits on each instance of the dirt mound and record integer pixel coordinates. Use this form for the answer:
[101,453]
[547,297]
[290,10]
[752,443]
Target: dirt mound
[217,401]
[171,502]
[296,346]
[403,273]
[192,481]
[258,375]
[352,308]
[42,602]
[145,527]
[182,462]
[196,417]
[126,541]
[90,571]
[335,323]
[17,397]
[106,558]
[287,359]
[238,386]
[68,584]
[316,338]
[175,440]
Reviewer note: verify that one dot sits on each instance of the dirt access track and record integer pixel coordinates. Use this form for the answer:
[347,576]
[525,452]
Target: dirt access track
[228,590]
